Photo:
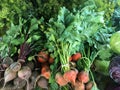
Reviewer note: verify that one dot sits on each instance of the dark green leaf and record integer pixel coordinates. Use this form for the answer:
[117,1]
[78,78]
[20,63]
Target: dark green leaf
[54,86]
[105,54]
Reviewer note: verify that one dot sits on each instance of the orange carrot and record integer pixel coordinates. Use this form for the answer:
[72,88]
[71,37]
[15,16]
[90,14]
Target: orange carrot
[79,86]
[45,68]
[76,56]
[60,80]
[46,74]
[43,83]
[70,76]
[51,60]
[42,57]
[89,85]
[83,76]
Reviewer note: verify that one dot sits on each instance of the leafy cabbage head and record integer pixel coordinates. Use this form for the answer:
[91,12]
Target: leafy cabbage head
[115,42]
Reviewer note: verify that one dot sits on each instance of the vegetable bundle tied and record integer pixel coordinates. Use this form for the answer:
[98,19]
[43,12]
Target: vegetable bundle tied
[69,30]
[64,56]
[63,37]
[66,32]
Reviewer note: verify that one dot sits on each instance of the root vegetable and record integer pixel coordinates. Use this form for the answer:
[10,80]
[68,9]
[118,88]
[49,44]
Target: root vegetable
[21,60]
[11,72]
[42,57]
[70,76]
[25,74]
[46,74]
[51,60]
[43,83]
[31,86]
[33,76]
[19,83]
[79,86]
[60,80]
[7,61]
[89,85]
[76,56]
[8,76]
[9,87]
[15,66]
[30,65]
[45,68]
[83,76]
[32,79]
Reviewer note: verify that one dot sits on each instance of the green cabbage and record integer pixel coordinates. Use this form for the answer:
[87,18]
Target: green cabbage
[115,42]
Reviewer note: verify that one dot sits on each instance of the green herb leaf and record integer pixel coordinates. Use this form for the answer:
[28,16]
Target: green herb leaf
[105,54]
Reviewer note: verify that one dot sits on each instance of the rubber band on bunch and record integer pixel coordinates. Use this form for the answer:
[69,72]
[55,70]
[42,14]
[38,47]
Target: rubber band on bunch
[65,65]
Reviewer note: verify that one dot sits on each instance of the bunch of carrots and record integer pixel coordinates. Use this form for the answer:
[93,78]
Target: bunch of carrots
[79,80]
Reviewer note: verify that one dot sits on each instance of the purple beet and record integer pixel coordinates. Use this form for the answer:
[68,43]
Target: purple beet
[114,69]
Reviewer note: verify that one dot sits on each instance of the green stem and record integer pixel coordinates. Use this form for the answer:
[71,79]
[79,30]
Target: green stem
[65,87]
[63,53]
[92,76]
[87,64]
[88,54]
[94,57]
[63,56]
[90,63]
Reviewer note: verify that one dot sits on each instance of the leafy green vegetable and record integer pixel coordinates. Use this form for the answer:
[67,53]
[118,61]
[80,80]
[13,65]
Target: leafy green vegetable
[10,41]
[61,37]
[105,54]
[115,41]
[20,34]
[69,30]
[53,86]
[102,66]
[11,10]
[106,6]
[116,18]
[84,27]
[50,8]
